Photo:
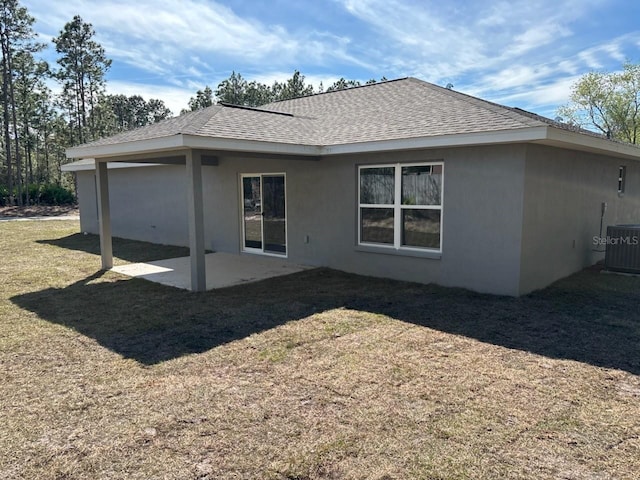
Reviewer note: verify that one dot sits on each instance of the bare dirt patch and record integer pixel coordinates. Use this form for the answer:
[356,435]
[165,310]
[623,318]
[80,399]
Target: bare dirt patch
[39,211]
[317,375]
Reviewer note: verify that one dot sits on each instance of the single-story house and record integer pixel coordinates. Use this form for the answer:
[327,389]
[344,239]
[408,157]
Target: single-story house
[400,179]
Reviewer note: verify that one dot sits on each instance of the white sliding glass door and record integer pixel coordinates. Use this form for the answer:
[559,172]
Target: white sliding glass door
[264,214]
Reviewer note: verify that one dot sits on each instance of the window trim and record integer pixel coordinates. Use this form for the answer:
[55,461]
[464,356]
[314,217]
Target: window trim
[397,208]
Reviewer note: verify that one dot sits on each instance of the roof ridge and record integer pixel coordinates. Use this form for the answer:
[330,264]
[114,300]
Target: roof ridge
[495,107]
[201,118]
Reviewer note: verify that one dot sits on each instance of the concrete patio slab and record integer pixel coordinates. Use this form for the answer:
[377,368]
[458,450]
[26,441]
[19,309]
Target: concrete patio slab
[223,270]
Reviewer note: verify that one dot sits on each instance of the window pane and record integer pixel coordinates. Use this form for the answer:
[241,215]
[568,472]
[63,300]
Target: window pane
[252,212]
[421,228]
[377,185]
[377,225]
[422,185]
[273,208]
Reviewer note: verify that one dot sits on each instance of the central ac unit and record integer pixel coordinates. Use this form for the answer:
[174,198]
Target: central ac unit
[623,248]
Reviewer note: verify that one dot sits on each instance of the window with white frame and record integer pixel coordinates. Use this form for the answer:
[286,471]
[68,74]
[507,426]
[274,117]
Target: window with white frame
[400,205]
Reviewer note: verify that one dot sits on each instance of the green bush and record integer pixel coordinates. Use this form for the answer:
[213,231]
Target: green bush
[4,196]
[50,194]
[34,193]
[53,194]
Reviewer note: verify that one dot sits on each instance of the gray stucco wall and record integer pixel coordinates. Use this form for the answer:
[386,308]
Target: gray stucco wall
[147,203]
[511,213]
[482,207]
[86,191]
[481,223]
[564,191]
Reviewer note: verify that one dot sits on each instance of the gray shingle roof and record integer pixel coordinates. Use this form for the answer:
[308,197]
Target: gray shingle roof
[406,108]
[189,123]
[393,110]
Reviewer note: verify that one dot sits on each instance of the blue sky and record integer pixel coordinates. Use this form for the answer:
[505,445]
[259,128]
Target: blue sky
[524,53]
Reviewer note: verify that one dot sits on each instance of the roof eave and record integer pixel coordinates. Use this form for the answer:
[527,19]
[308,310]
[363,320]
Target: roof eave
[182,142]
[251,146]
[160,144]
[520,135]
[546,135]
[81,166]
[557,137]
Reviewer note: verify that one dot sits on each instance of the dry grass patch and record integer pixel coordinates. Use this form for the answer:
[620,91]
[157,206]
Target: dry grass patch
[318,375]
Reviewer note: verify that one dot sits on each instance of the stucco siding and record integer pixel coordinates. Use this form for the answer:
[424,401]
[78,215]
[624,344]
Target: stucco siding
[564,192]
[147,203]
[86,191]
[482,230]
[481,220]
[482,209]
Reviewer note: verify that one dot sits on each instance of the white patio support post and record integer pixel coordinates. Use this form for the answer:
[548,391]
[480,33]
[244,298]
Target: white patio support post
[196,219]
[104,215]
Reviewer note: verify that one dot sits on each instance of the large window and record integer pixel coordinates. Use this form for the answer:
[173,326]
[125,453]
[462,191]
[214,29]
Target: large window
[400,206]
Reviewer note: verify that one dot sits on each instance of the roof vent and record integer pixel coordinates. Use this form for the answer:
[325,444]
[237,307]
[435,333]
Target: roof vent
[623,249]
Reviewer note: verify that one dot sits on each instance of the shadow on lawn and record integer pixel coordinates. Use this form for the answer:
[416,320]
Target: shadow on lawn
[129,250]
[588,317]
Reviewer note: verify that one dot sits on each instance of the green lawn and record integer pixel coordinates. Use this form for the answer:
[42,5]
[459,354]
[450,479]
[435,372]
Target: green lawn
[317,375]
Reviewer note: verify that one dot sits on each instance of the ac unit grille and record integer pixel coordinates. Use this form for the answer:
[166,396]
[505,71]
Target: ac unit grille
[623,248]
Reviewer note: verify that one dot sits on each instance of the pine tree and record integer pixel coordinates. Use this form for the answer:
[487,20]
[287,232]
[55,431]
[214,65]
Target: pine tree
[16,34]
[83,65]
[29,85]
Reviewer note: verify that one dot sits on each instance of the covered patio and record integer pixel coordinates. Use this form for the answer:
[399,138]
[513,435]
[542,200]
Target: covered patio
[222,270]
[191,140]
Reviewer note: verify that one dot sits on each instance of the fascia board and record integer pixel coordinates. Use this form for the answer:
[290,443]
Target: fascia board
[528,134]
[177,142]
[239,145]
[159,144]
[578,141]
[540,134]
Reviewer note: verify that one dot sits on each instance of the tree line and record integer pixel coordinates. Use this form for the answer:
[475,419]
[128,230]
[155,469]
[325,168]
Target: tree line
[38,125]
[238,91]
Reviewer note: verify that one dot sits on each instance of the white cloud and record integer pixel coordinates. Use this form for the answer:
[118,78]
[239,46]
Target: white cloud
[440,41]
[163,37]
[536,37]
[544,95]
[521,51]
